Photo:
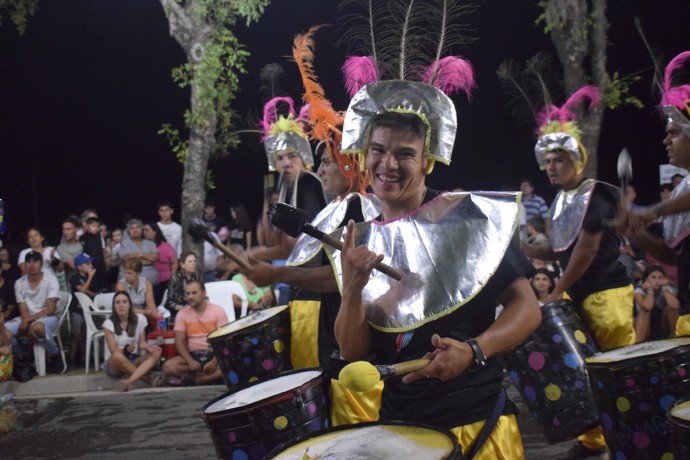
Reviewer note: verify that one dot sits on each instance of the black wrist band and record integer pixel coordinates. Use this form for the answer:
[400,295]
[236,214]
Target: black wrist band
[479,356]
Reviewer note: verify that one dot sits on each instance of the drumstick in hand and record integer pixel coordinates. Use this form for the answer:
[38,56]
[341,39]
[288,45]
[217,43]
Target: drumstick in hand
[293,221]
[199,231]
[362,376]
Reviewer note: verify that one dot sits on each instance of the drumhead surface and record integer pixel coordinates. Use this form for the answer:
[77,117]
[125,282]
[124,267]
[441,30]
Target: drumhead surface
[638,350]
[262,391]
[246,321]
[681,411]
[373,442]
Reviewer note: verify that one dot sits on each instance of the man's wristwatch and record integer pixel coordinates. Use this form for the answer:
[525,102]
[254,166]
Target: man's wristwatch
[479,357]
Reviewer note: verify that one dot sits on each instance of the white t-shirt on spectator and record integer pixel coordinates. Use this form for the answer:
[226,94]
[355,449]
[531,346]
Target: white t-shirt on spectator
[173,234]
[123,339]
[35,298]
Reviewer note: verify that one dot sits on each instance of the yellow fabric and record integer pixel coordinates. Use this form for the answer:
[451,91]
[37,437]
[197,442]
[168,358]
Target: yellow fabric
[6,367]
[504,443]
[593,439]
[609,317]
[304,333]
[348,407]
[683,325]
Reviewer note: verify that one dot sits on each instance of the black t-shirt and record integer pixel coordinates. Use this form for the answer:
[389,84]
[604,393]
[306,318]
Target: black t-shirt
[93,246]
[214,224]
[683,262]
[7,296]
[469,397]
[605,271]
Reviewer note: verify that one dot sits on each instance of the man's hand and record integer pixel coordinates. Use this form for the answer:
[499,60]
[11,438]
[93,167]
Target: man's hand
[210,367]
[24,326]
[260,272]
[450,359]
[357,262]
[193,365]
[554,296]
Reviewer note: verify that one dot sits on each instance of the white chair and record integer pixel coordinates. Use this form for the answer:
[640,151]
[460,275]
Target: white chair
[62,311]
[161,307]
[93,333]
[104,301]
[220,293]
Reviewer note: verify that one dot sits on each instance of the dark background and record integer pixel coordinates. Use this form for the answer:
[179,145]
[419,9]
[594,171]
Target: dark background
[85,90]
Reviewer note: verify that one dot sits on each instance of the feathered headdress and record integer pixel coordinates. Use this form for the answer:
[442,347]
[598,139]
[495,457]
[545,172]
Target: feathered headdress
[675,100]
[285,132]
[557,128]
[426,96]
[324,120]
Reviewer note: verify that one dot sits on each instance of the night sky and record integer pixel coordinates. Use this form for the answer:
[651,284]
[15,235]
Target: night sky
[85,90]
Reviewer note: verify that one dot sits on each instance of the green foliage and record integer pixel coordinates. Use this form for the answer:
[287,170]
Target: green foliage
[618,92]
[18,11]
[215,77]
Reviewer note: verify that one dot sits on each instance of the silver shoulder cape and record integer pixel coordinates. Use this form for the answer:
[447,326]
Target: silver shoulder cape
[448,249]
[328,220]
[677,226]
[567,214]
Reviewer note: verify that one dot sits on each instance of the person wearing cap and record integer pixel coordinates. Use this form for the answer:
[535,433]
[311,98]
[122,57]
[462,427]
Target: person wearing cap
[37,296]
[459,256]
[674,247]
[584,241]
[82,280]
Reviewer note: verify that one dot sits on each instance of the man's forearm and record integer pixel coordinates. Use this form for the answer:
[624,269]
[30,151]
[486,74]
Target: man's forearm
[316,279]
[656,247]
[351,328]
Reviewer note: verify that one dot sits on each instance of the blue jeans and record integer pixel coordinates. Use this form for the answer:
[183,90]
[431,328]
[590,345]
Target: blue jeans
[49,323]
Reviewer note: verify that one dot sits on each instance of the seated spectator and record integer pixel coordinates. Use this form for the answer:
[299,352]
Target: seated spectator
[8,270]
[543,283]
[166,264]
[187,273]
[5,352]
[535,230]
[195,363]
[259,297]
[127,352]
[139,289]
[36,242]
[240,226]
[211,220]
[656,306]
[80,281]
[134,246]
[37,296]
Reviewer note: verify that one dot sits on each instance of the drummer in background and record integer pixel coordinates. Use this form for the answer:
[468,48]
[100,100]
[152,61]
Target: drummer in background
[308,267]
[195,363]
[402,128]
[583,241]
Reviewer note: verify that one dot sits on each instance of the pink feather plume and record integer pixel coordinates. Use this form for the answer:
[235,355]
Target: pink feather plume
[451,74]
[359,71]
[676,96]
[565,113]
[271,112]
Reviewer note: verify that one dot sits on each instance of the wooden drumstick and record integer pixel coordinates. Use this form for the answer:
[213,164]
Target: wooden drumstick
[199,231]
[293,221]
[362,376]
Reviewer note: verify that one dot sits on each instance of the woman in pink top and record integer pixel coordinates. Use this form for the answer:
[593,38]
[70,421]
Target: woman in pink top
[166,264]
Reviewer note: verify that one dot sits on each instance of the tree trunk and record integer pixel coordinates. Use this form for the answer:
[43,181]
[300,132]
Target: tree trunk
[577,34]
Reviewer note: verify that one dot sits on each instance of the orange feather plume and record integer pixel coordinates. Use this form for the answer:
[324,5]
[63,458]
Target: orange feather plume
[325,121]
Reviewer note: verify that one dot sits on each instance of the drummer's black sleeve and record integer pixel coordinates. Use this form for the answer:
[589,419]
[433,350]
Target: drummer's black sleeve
[513,266]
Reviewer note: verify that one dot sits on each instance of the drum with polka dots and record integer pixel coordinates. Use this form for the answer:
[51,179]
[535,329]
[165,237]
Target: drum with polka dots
[253,348]
[247,424]
[548,369]
[634,387]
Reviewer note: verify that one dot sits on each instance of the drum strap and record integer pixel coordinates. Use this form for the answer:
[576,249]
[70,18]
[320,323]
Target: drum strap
[489,425]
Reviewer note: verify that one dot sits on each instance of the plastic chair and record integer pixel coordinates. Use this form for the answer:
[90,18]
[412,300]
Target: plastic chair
[220,293]
[104,301]
[62,311]
[93,333]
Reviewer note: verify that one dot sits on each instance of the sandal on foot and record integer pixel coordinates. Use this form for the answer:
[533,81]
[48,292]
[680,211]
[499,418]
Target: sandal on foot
[121,385]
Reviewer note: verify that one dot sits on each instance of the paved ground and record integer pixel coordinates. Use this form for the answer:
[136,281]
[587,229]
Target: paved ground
[78,417]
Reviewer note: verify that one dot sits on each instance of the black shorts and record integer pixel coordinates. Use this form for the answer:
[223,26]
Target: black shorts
[201,357]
